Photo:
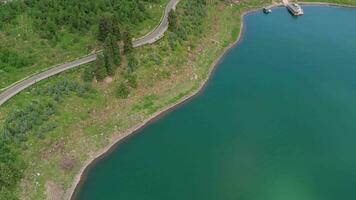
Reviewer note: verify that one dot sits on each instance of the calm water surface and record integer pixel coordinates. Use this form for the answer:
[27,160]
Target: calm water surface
[276,122]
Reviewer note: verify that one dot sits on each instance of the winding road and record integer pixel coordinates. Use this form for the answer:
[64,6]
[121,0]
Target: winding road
[150,38]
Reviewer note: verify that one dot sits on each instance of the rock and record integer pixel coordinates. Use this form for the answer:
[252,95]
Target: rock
[108,80]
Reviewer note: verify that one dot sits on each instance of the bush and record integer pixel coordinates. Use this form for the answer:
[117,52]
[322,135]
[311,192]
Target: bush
[62,88]
[132,63]
[132,80]
[11,171]
[122,91]
[89,73]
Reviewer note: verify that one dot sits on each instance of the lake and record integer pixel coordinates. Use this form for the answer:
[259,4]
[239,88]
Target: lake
[277,121]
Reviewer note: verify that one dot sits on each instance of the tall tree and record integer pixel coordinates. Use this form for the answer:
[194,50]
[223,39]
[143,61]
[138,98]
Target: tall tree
[116,29]
[100,71]
[127,37]
[111,54]
[173,21]
[105,26]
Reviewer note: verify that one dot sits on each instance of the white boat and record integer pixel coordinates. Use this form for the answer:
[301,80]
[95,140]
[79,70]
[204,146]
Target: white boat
[295,9]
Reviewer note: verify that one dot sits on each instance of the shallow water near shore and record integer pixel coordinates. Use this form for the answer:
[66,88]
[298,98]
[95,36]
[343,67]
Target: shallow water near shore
[277,121]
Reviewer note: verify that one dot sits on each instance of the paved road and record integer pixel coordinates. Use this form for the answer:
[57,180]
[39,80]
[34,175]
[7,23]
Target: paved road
[152,37]
[15,89]
[158,33]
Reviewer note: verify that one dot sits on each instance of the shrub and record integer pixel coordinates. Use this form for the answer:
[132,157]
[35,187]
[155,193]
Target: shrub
[122,91]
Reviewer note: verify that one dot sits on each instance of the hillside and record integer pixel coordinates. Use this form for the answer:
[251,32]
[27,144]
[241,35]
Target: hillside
[37,34]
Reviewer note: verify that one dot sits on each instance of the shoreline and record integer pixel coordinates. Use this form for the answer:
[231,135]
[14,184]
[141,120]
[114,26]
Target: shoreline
[72,192]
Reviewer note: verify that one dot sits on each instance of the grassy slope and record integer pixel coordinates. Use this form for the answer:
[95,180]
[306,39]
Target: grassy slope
[86,125]
[22,38]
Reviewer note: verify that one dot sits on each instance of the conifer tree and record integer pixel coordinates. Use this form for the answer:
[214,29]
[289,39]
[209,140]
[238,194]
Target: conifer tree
[127,37]
[173,21]
[100,71]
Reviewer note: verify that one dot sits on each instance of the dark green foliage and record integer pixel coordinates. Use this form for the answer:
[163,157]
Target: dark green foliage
[122,91]
[173,21]
[132,64]
[172,40]
[108,25]
[111,55]
[131,80]
[106,63]
[9,59]
[19,124]
[127,38]
[89,73]
[187,21]
[11,171]
[64,88]
[46,128]
[100,70]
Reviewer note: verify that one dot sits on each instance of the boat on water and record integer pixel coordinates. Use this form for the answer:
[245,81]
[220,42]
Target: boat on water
[295,9]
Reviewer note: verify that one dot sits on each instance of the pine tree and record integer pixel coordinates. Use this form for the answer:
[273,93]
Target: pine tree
[111,54]
[116,29]
[100,71]
[132,63]
[105,27]
[127,37]
[173,21]
[89,73]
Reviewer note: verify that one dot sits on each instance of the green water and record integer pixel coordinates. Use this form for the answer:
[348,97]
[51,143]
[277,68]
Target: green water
[276,122]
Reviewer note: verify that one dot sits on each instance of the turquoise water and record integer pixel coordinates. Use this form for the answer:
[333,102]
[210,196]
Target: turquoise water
[276,122]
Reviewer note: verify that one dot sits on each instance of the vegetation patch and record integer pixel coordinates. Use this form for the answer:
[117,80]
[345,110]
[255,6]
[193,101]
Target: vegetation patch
[31,121]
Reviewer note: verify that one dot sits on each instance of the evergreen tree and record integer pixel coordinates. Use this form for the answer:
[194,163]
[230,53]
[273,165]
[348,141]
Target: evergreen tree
[111,54]
[105,27]
[122,91]
[100,71]
[116,29]
[132,63]
[127,37]
[88,73]
[173,21]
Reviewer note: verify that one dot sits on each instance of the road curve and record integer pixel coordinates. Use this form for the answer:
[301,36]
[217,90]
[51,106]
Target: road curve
[150,38]
[18,87]
[158,33]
